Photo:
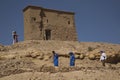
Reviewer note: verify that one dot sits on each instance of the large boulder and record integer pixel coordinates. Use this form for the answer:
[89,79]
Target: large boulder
[91,57]
[10,56]
[81,56]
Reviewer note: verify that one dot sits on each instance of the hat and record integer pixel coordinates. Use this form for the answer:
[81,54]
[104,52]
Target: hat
[70,53]
[101,51]
[13,32]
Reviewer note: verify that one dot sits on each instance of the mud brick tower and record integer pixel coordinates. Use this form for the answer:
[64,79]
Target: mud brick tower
[48,24]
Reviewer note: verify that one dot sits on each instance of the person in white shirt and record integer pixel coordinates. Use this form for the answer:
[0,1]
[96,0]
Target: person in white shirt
[103,57]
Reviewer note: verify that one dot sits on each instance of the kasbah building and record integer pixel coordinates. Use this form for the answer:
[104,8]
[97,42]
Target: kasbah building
[48,24]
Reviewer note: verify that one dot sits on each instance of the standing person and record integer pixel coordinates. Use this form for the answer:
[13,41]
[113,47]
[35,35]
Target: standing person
[72,59]
[103,57]
[15,37]
[55,58]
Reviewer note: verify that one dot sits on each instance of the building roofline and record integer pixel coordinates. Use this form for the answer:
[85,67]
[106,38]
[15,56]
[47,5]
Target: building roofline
[52,10]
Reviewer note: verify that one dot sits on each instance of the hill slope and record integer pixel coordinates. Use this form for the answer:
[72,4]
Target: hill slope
[32,60]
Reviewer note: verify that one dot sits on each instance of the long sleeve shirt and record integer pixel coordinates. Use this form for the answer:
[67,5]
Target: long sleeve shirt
[103,56]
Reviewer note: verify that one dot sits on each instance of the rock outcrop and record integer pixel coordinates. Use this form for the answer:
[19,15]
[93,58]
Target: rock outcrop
[36,57]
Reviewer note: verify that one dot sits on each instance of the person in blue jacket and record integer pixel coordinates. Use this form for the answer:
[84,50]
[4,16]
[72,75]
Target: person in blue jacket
[72,59]
[55,58]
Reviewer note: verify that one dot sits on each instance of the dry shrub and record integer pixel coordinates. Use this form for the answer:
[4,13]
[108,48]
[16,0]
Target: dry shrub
[114,59]
[90,49]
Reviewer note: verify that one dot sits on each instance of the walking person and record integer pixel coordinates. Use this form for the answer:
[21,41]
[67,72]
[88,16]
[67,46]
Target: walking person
[72,59]
[55,58]
[103,57]
[15,37]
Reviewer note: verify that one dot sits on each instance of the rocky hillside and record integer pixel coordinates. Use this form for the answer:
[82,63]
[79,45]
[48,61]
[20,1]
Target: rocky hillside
[32,60]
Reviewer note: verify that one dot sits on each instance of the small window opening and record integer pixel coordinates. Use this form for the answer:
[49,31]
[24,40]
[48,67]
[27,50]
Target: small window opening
[68,22]
[33,19]
[47,20]
[47,34]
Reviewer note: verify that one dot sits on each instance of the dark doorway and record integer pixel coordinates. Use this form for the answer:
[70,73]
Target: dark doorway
[47,34]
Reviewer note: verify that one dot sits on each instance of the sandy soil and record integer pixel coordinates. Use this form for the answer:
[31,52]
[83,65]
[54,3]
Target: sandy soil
[32,60]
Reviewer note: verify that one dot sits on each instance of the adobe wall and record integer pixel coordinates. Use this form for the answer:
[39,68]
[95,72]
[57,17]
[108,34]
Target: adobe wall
[61,24]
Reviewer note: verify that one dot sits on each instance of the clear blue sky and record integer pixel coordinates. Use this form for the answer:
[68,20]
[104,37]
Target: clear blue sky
[96,20]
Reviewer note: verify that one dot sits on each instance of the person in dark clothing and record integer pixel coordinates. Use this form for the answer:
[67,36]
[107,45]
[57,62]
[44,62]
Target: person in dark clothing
[72,59]
[55,58]
[15,37]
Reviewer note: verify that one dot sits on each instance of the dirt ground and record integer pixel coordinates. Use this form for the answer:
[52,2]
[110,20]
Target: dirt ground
[32,60]
[29,70]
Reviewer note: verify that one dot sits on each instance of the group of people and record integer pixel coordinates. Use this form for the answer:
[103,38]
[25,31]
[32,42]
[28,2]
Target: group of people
[56,58]
[103,58]
[72,56]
